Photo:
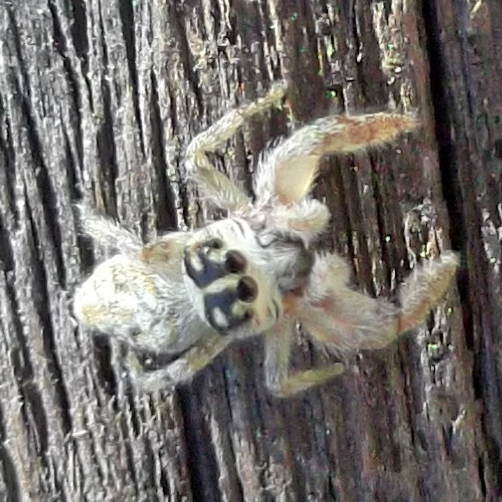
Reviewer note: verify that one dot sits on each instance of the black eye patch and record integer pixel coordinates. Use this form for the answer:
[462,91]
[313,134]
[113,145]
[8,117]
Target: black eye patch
[210,270]
[223,301]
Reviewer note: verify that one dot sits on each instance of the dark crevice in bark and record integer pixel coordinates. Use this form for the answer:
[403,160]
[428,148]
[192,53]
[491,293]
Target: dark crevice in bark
[178,24]
[45,188]
[447,153]
[7,259]
[481,475]
[107,155]
[216,21]
[74,186]
[405,354]
[268,28]
[183,193]
[135,413]
[43,180]
[7,465]
[353,202]
[21,67]
[182,184]
[19,353]
[332,490]
[41,298]
[382,225]
[235,476]
[165,207]
[60,44]
[79,33]
[129,454]
[164,482]
[459,196]
[247,22]
[127,22]
[105,138]
[343,212]
[104,368]
[369,70]
[300,65]
[34,414]
[8,157]
[79,28]
[149,467]
[201,459]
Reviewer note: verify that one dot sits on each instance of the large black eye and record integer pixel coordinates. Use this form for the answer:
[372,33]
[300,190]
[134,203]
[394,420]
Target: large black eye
[247,289]
[247,315]
[235,262]
[213,243]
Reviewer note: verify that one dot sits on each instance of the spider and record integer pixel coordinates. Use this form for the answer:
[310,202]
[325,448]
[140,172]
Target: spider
[191,294]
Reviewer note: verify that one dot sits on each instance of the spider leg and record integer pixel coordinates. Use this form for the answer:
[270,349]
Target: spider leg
[105,232]
[216,185]
[289,170]
[424,288]
[277,355]
[181,369]
[335,314]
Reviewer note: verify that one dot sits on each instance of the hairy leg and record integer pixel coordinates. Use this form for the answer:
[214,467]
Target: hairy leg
[306,219]
[216,185]
[424,287]
[289,170]
[105,232]
[181,369]
[350,320]
[277,359]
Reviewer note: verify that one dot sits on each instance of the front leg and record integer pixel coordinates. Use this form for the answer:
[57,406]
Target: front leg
[180,370]
[277,359]
[288,172]
[215,184]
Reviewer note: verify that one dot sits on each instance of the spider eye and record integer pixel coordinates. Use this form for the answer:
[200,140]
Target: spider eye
[247,315]
[247,289]
[214,244]
[235,262]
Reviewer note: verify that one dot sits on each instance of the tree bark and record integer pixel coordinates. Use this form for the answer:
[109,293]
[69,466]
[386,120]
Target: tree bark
[98,101]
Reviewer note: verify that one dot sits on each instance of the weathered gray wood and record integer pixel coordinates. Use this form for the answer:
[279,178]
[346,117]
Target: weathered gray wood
[99,99]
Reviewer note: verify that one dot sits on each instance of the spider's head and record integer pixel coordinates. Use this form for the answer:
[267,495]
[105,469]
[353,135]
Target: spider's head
[226,272]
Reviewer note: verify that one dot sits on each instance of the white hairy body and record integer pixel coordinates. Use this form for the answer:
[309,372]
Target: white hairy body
[190,294]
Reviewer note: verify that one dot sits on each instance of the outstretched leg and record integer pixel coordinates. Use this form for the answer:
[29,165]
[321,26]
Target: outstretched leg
[289,170]
[424,288]
[277,359]
[347,319]
[350,320]
[181,369]
[215,184]
[105,232]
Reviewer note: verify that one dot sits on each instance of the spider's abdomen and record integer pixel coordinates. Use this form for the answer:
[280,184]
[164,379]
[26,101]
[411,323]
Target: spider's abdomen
[125,298]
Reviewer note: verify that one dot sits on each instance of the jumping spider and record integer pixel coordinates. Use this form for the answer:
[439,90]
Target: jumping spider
[190,294]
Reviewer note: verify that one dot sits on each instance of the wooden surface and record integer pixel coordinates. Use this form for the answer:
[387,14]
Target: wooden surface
[98,101]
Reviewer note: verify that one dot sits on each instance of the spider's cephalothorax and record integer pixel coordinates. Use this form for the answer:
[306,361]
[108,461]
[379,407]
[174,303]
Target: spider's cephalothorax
[190,294]
[225,272]
[237,276]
